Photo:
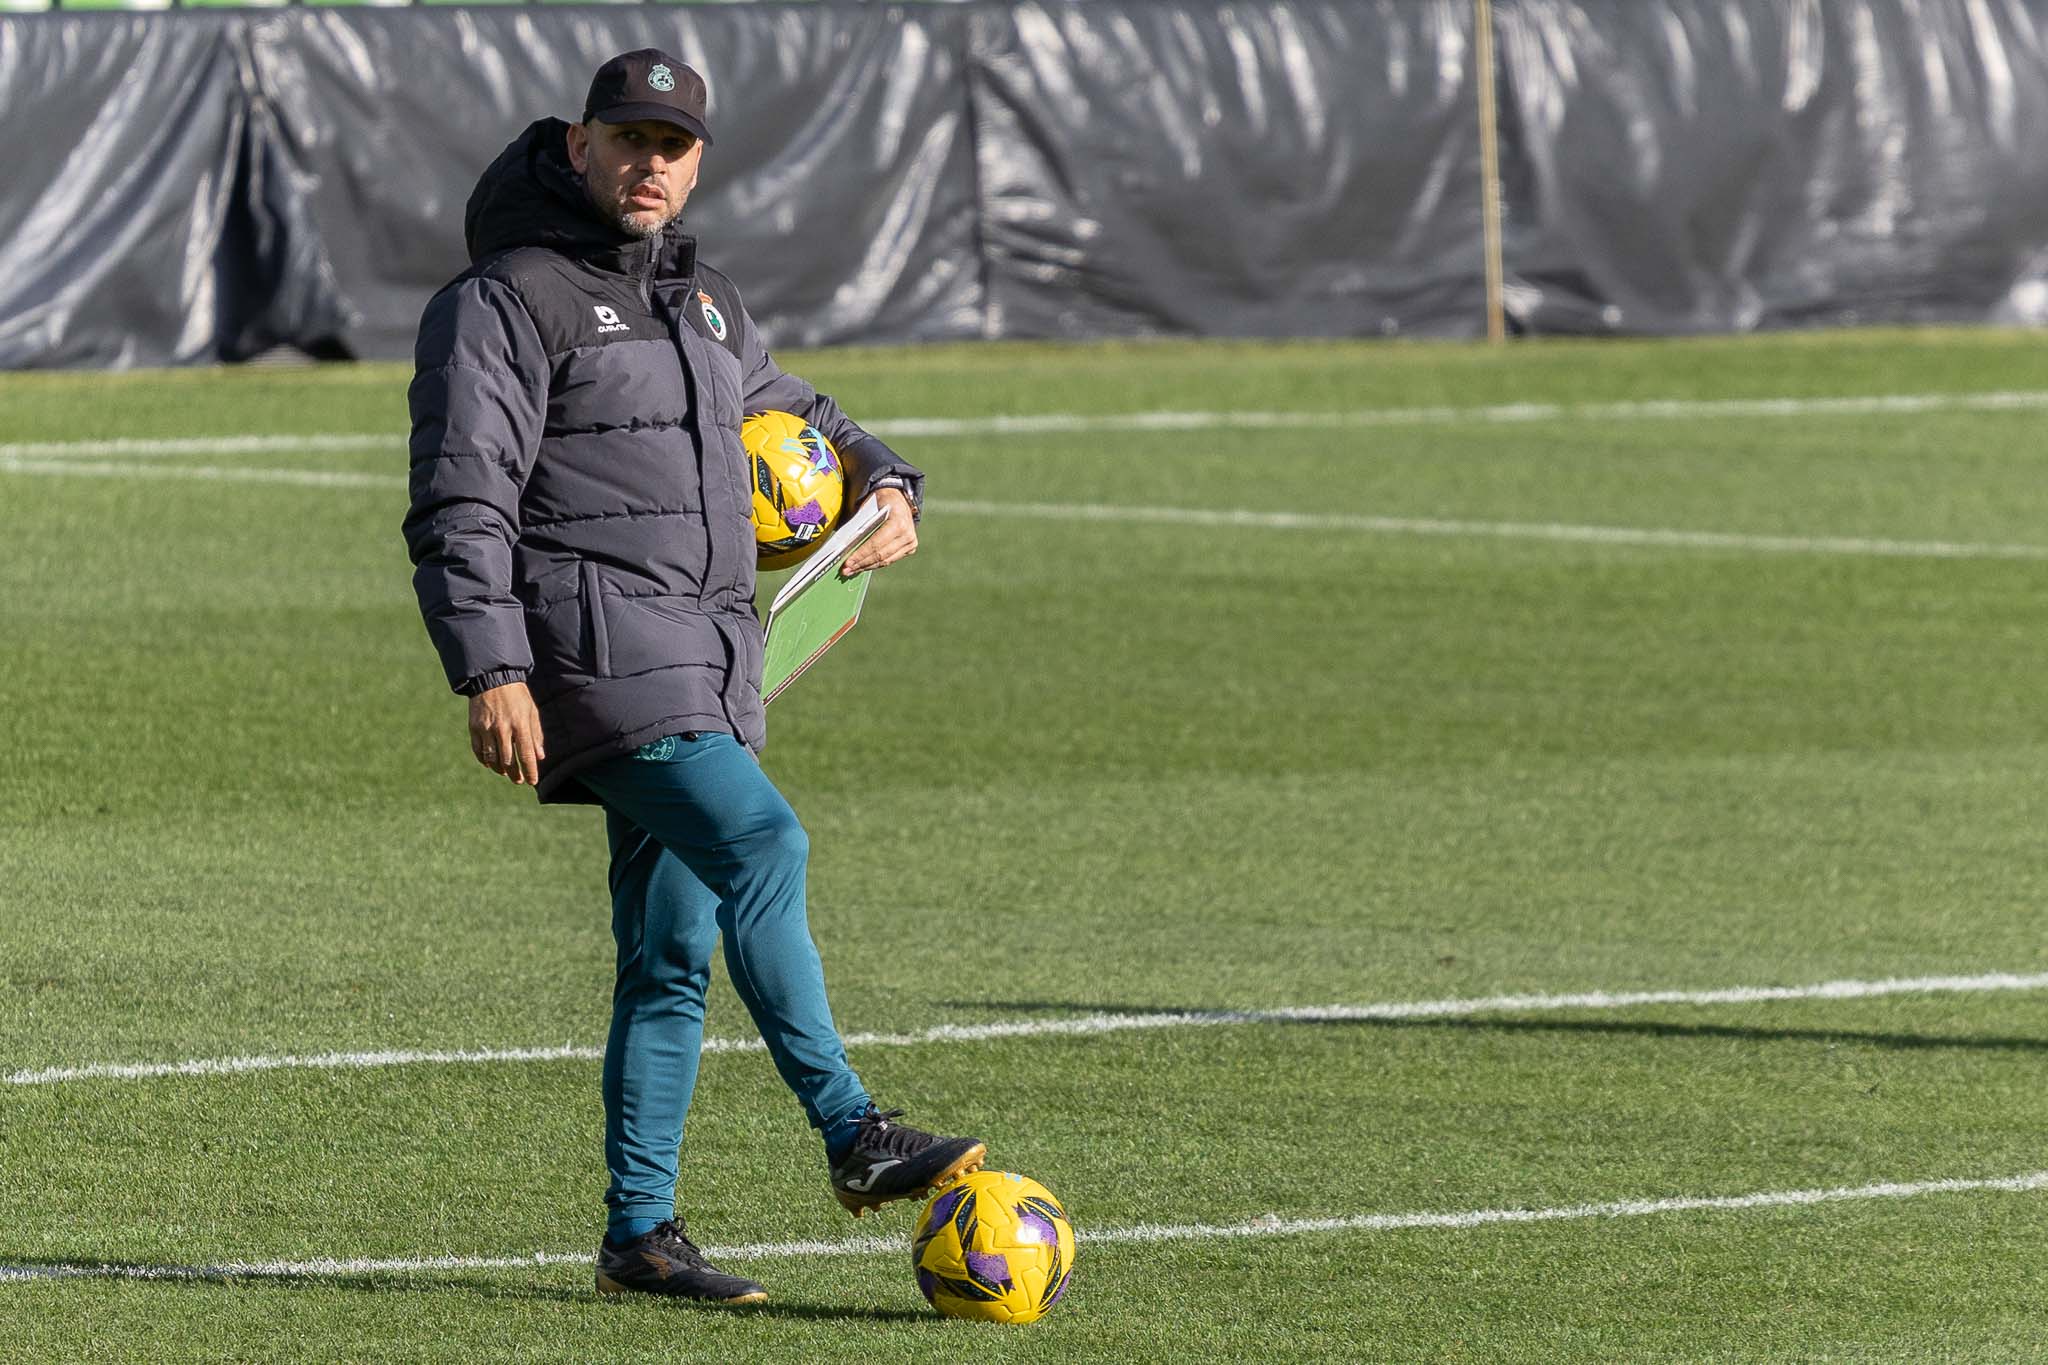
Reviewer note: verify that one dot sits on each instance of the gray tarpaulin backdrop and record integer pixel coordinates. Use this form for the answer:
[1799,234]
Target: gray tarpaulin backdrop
[202,186]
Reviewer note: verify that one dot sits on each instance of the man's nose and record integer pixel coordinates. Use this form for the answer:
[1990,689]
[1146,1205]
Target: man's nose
[656,163]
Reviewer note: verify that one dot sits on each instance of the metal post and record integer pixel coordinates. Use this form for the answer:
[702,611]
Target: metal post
[1489,169]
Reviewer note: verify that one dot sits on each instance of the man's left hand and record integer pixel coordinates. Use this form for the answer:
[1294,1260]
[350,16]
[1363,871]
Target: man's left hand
[894,539]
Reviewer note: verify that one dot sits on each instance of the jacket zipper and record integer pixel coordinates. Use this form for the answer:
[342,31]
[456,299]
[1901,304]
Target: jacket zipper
[713,560]
[678,328]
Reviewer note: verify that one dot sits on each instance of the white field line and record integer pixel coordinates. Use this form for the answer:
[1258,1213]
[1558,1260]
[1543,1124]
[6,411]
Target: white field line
[1668,409]
[148,447]
[111,469]
[1563,532]
[1271,1225]
[1225,518]
[1081,1026]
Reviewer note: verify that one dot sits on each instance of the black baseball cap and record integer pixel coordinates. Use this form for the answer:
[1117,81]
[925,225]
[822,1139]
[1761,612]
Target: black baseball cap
[648,83]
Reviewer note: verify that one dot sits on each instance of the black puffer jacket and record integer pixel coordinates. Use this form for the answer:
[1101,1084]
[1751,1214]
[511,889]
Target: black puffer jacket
[579,496]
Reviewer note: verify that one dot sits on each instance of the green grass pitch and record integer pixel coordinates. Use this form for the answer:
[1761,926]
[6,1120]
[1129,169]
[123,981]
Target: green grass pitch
[1103,763]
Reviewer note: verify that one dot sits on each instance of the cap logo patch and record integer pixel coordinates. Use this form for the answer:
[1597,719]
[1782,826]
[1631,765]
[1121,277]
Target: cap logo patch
[661,78]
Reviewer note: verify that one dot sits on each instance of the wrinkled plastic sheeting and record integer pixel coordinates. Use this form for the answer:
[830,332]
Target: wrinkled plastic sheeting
[879,173]
[838,190]
[1255,169]
[189,187]
[1717,165]
[147,219]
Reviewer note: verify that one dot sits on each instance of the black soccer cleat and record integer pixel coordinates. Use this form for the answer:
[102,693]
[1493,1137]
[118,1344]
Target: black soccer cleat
[889,1161]
[665,1261]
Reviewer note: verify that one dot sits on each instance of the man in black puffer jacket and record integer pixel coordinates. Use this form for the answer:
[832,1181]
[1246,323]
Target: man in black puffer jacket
[580,526]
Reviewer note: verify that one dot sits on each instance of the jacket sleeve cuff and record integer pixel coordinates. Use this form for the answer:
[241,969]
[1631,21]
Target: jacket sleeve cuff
[484,682]
[874,466]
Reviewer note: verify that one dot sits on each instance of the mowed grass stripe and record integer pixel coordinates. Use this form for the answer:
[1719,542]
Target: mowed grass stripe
[1238,518]
[1086,1024]
[1141,1233]
[1039,424]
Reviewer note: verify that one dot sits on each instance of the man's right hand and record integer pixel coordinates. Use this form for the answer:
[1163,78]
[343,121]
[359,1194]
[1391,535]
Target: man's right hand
[504,733]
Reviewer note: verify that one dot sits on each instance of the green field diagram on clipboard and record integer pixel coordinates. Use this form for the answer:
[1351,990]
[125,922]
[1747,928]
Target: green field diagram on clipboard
[816,606]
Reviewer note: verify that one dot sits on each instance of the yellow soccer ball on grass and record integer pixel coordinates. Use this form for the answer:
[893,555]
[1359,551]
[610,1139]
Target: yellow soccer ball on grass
[799,486]
[994,1246]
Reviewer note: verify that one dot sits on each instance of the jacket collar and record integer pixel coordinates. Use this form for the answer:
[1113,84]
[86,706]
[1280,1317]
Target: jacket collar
[672,255]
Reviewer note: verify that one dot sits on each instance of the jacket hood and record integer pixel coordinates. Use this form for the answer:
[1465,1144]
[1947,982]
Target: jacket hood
[531,196]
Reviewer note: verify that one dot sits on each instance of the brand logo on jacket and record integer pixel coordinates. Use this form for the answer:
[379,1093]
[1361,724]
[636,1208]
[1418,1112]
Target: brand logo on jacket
[608,320]
[661,78]
[713,319]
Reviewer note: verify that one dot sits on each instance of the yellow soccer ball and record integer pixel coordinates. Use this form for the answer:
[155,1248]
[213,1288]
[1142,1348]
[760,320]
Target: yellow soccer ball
[994,1246]
[799,486]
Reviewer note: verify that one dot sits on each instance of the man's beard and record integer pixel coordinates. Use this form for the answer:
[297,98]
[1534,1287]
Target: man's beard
[637,227]
[627,220]
[636,224]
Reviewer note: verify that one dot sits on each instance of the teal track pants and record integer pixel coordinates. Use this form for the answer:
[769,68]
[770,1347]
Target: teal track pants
[703,845]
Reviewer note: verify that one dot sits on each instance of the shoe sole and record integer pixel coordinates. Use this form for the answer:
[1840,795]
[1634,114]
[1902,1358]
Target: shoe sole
[859,1204]
[607,1285]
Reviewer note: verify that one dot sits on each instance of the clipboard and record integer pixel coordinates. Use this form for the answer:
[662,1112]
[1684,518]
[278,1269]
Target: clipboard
[816,607]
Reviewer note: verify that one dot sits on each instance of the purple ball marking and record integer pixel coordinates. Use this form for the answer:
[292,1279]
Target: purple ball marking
[1065,1280]
[810,514]
[1031,1218]
[942,1208]
[991,1266]
[928,1283]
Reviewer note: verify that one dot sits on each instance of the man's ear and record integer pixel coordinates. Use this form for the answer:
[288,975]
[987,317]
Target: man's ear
[579,147]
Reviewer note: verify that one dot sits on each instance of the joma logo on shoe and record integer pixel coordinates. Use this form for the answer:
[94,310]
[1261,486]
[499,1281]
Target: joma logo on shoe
[874,1173]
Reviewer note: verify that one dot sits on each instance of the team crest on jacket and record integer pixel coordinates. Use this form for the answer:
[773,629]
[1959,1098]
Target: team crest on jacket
[713,319]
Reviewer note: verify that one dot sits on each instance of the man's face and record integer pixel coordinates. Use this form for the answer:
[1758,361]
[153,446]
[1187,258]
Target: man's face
[639,174]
